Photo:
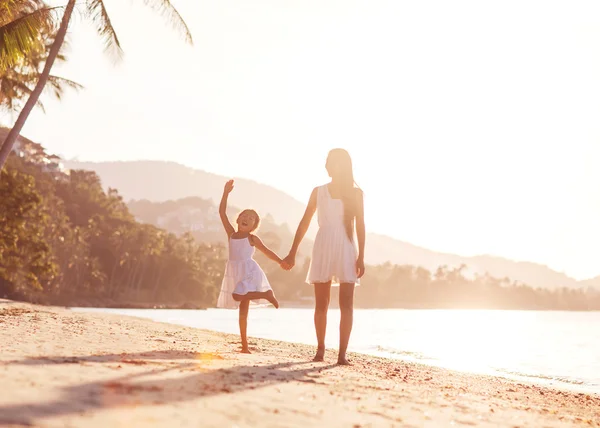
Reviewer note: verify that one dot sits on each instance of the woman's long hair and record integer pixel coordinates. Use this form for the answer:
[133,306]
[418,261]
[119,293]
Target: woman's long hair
[339,167]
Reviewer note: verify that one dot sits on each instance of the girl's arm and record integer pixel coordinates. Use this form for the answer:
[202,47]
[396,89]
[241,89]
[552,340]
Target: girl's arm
[302,228]
[258,243]
[360,233]
[223,209]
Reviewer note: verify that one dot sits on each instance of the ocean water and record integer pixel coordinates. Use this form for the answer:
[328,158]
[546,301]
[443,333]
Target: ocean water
[556,348]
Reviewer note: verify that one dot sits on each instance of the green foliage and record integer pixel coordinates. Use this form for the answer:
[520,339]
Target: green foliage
[80,245]
[25,257]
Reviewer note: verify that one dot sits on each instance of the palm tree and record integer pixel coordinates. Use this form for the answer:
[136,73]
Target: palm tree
[94,10]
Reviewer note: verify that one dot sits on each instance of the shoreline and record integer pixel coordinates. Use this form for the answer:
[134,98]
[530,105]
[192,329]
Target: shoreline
[96,302]
[565,384]
[64,367]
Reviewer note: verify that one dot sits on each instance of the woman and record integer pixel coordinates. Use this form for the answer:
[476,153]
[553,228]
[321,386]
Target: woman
[335,258]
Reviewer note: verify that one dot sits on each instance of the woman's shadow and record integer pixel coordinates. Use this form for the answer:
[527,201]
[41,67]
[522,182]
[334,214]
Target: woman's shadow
[149,389]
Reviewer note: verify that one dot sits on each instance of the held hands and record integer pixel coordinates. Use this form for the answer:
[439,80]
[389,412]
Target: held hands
[289,262]
[228,187]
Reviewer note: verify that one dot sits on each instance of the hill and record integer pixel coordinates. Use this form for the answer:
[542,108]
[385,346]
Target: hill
[163,181]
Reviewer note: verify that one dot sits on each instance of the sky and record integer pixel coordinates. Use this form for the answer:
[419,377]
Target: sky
[473,125]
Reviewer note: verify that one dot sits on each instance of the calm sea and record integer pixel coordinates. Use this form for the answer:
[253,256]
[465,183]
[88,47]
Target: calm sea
[557,348]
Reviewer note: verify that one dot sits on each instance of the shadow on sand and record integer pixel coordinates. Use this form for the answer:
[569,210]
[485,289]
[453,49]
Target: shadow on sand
[135,390]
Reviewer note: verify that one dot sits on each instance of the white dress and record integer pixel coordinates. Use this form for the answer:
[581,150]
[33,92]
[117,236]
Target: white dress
[242,274]
[334,254]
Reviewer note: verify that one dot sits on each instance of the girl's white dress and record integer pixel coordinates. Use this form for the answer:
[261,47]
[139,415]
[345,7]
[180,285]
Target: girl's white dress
[242,274]
[334,254]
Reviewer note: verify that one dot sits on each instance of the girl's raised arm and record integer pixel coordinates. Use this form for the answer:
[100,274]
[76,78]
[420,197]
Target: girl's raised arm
[223,209]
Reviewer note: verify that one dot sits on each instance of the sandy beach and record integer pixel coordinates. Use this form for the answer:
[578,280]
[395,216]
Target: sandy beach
[65,369]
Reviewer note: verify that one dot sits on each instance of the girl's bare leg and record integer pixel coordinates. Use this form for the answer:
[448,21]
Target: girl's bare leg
[270,296]
[322,295]
[255,295]
[347,313]
[243,320]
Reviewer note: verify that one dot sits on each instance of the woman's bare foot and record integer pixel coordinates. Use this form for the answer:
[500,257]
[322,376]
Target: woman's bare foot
[342,361]
[245,351]
[320,355]
[272,299]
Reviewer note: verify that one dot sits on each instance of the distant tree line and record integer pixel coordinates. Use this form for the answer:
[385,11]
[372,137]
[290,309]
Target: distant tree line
[404,286]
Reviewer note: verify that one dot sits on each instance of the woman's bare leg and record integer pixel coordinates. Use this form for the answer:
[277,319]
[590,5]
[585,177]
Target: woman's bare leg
[347,313]
[243,320]
[322,295]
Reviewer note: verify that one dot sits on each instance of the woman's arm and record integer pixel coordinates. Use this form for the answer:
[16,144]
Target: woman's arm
[223,209]
[302,228]
[360,233]
[258,243]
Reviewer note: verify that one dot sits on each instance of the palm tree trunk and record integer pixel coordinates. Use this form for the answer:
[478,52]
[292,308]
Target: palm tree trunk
[39,87]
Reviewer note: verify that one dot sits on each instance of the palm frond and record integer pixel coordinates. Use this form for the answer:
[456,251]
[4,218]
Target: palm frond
[172,16]
[96,11]
[59,84]
[9,9]
[14,89]
[11,90]
[17,83]
[21,35]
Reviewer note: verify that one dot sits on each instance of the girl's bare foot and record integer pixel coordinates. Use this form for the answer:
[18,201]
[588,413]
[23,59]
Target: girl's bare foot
[272,299]
[245,351]
[320,355]
[342,361]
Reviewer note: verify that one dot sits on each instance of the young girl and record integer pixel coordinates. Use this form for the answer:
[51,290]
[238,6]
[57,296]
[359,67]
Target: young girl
[336,260]
[244,280]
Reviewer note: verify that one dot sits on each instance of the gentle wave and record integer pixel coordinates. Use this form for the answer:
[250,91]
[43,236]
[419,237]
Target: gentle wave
[410,354]
[543,377]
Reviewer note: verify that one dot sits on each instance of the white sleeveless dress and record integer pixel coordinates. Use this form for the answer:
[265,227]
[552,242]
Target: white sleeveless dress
[334,254]
[242,274]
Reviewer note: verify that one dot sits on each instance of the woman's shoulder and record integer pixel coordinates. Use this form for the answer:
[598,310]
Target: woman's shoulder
[317,190]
